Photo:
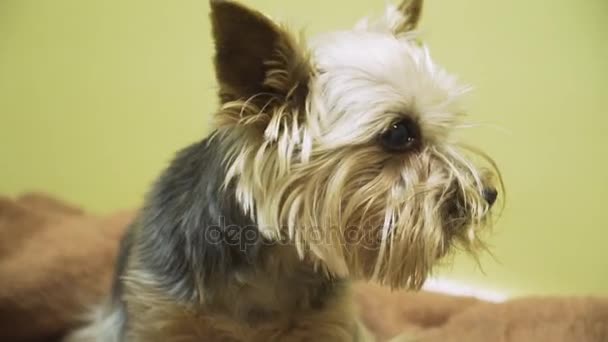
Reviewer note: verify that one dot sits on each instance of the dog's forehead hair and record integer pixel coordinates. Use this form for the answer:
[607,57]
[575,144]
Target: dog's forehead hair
[367,79]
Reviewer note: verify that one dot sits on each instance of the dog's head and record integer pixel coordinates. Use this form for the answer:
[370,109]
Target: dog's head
[344,147]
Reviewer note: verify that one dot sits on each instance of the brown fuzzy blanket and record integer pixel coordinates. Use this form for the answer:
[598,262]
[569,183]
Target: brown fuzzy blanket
[56,260]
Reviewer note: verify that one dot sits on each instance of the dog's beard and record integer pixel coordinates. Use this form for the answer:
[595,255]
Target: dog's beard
[360,212]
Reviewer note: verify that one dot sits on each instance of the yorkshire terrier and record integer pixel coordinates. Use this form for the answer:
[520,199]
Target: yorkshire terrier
[329,162]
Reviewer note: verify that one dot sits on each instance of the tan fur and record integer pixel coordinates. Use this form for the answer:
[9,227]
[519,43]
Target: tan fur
[325,192]
[157,317]
[161,319]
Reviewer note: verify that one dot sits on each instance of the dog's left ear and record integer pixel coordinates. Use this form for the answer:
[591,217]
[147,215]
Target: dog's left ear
[411,10]
[398,20]
[256,60]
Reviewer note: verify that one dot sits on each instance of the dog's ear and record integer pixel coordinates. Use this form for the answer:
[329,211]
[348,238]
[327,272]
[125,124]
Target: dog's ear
[411,10]
[398,20]
[256,60]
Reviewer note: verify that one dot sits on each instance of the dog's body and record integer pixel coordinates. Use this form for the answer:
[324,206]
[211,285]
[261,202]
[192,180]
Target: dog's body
[251,288]
[326,166]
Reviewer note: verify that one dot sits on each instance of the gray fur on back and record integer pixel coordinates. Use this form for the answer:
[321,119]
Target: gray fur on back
[192,229]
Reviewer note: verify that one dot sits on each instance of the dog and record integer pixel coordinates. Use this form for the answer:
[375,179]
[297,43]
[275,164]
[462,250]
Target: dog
[330,162]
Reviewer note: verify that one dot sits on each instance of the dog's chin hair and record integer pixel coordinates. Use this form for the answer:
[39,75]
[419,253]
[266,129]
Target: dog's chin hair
[294,192]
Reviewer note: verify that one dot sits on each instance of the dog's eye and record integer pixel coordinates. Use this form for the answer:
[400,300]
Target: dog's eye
[400,136]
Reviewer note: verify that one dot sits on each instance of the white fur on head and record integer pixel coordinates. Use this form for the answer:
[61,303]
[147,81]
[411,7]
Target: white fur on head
[368,79]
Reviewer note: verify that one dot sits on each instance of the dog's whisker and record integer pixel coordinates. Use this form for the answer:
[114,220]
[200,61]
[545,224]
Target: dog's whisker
[471,125]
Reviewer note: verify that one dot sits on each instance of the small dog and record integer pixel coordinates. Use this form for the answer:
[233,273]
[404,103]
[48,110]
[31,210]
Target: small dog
[328,164]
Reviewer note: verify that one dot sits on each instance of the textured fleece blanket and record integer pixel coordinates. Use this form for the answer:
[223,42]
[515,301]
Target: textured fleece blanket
[56,261]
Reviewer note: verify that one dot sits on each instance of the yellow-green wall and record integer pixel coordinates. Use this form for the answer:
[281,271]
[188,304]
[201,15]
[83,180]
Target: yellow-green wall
[95,95]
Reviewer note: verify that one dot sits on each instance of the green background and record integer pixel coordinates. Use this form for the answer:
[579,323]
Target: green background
[95,96]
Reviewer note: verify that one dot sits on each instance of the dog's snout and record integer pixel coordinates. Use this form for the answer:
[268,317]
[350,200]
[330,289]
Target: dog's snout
[490,195]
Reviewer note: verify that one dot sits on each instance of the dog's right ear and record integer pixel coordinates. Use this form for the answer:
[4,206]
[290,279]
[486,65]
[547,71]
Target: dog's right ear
[256,60]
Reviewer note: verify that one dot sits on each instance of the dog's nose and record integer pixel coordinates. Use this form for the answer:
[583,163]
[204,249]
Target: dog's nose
[490,195]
